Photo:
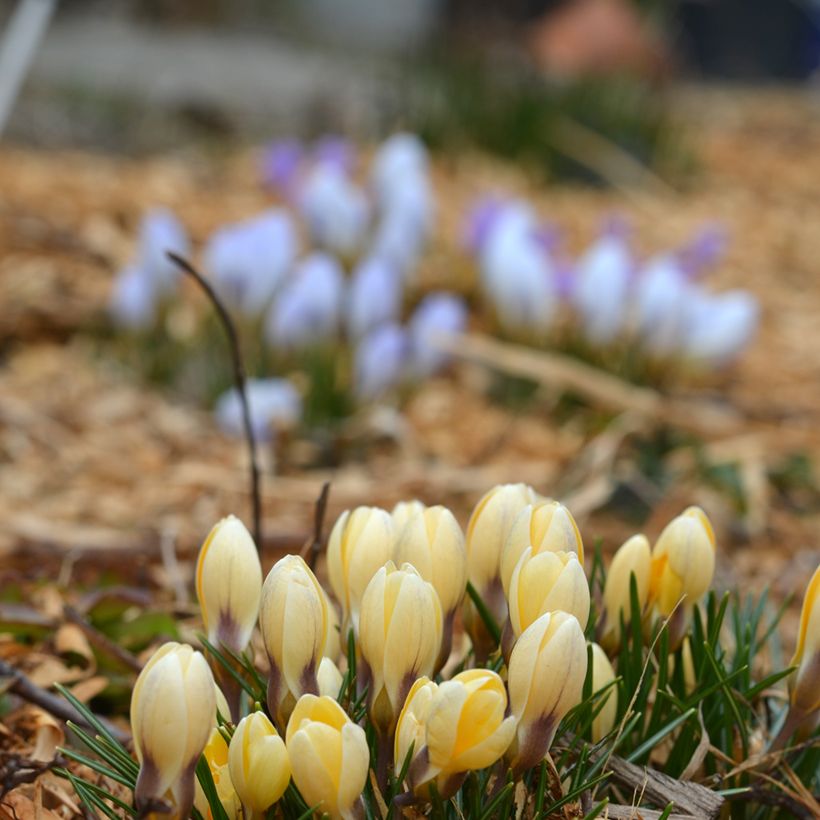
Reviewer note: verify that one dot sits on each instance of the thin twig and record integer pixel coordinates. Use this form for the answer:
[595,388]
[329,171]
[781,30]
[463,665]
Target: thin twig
[60,708]
[239,378]
[100,640]
[313,546]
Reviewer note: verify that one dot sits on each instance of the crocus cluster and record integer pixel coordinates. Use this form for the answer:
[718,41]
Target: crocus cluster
[608,301]
[321,278]
[370,674]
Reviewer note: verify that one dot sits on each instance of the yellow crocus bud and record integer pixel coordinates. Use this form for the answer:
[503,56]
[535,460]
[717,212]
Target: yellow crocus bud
[329,678]
[467,728]
[399,638]
[602,676]
[487,533]
[334,649]
[361,542]
[172,710]
[294,621]
[216,753]
[546,675]
[546,582]
[683,563]
[403,512]
[804,684]
[229,584]
[329,756]
[411,729]
[546,526]
[433,543]
[259,763]
[632,558]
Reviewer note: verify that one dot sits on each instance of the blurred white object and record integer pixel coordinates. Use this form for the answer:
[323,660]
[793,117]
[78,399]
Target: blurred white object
[719,326]
[438,314]
[308,309]
[662,297]
[161,232]
[374,296]
[133,302]
[379,361]
[400,158]
[517,274]
[273,403]
[601,288]
[249,260]
[26,28]
[334,208]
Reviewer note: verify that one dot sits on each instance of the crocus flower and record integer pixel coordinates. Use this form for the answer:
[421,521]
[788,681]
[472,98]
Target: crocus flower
[335,151]
[273,404]
[399,158]
[441,314]
[374,296]
[602,676]
[161,232]
[133,302]
[280,163]
[662,294]
[632,558]
[308,310]
[249,260]
[719,327]
[379,363]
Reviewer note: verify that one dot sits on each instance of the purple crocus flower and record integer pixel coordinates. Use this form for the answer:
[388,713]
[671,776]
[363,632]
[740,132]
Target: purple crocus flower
[307,311]
[719,327]
[335,151]
[703,251]
[133,302]
[281,162]
[662,292]
[438,314]
[374,296]
[399,158]
[480,222]
[273,403]
[379,361]
[249,260]
[160,232]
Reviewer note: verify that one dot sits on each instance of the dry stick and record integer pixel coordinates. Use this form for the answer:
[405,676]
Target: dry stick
[239,378]
[24,688]
[313,546]
[100,640]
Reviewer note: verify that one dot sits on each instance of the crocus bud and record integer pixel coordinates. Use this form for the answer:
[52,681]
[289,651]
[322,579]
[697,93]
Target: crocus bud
[411,728]
[683,563]
[467,728]
[216,754]
[602,676]
[804,685]
[546,526]
[294,621]
[229,584]
[172,710]
[273,404]
[259,763]
[662,293]
[361,542]
[403,512]
[133,300]
[399,637]
[307,311]
[379,361]
[374,296]
[547,582]
[719,327]
[632,558]
[546,676]
[487,532]
[329,756]
[329,678]
[161,232]
[438,314]
[399,157]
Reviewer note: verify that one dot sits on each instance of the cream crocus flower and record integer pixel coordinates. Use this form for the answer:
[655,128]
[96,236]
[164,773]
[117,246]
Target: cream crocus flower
[229,584]
[546,526]
[399,638]
[487,533]
[216,753]
[546,582]
[329,678]
[683,564]
[602,676]
[411,729]
[432,541]
[329,756]
[259,764]
[632,558]
[804,685]
[172,711]
[403,512]
[361,542]
[467,728]
[546,675]
[294,623]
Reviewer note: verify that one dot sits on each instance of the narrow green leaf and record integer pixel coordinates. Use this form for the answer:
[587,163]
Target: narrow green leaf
[484,613]
[655,739]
